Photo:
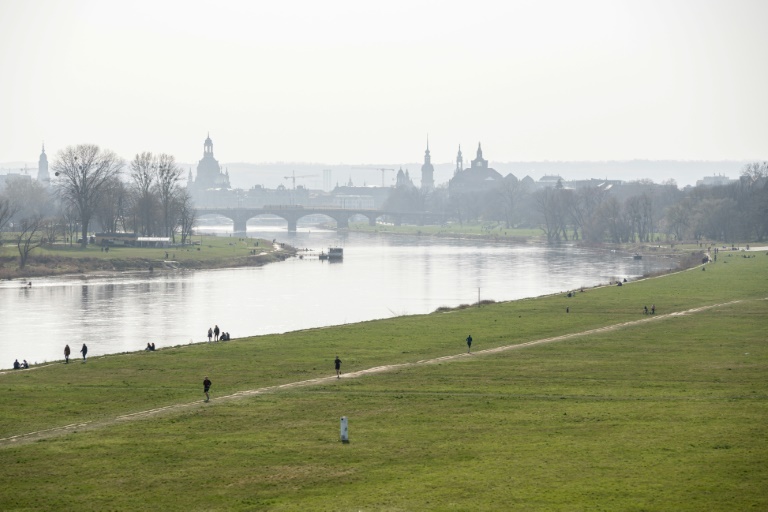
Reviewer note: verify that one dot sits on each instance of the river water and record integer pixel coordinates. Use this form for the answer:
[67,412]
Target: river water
[381,276]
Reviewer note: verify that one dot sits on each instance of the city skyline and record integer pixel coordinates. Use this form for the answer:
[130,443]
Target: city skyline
[347,83]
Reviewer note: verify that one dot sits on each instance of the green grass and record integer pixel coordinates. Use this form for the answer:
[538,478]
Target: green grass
[665,414]
[213,252]
[487,230]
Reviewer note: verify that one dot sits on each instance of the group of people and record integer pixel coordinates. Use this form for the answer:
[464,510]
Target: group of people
[217,334]
[653,309]
[67,351]
[150,347]
[18,366]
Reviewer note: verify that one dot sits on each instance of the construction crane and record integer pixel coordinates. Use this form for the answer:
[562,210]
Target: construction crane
[382,169]
[293,177]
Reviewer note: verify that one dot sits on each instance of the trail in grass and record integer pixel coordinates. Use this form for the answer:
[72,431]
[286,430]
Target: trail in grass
[90,425]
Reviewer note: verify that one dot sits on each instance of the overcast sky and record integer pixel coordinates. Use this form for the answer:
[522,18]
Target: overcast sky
[367,82]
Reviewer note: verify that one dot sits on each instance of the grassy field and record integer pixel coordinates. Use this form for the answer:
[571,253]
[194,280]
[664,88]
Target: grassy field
[613,410]
[489,230]
[210,252]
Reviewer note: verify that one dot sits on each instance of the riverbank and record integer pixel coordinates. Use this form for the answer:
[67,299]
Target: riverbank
[208,252]
[565,403]
[689,254]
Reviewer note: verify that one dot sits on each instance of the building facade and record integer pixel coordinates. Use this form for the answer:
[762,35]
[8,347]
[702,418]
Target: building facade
[477,178]
[209,173]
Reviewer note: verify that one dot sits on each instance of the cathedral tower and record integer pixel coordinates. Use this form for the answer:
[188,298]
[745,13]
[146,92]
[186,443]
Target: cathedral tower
[427,172]
[209,173]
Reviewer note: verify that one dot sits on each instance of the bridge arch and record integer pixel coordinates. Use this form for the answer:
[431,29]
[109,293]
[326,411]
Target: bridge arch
[292,214]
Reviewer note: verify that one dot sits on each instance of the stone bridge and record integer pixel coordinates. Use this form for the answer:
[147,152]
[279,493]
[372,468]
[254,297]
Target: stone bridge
[292,214]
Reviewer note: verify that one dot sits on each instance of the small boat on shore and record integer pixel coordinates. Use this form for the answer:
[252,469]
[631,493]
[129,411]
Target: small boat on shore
[333,254]
[638,256]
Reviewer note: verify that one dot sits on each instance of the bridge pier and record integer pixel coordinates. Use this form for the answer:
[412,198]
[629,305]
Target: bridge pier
[240,225]
[292,225]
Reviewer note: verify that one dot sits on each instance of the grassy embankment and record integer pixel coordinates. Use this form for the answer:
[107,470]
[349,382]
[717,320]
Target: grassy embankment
[668,413]
[213,252]
[497,232]
[491,231]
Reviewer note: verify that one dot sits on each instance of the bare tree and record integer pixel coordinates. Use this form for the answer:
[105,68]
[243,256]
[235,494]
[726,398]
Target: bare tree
[679,219]
[51,227]
[755,170]
[186,215]
[83,172]
[110,211]
[753,200]
[28,237]
[7,211]
[545,203]
[168,176]
[508,194]
[585,206]
[70,219]
[144,176]
[617,224]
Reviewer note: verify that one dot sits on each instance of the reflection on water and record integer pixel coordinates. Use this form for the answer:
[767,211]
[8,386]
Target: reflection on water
[381,276]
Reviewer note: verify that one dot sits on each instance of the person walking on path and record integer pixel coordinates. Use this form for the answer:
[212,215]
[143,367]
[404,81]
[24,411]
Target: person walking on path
[206,388]
[337,363]
[66,353]
[216,332]
[84,350]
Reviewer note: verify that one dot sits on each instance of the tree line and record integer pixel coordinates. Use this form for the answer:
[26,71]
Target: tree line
[90,185]
[632,212]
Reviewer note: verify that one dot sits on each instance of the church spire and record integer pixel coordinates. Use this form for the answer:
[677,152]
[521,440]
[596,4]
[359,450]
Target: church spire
[208,146]
[42,167]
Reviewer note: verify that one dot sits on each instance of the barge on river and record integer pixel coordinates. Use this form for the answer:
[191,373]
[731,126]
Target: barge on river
[333,254]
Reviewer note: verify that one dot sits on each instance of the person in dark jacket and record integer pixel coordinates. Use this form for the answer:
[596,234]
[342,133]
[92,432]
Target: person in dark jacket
[206,388]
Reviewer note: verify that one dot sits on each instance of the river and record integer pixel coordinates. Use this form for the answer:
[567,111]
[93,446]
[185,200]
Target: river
[381,276]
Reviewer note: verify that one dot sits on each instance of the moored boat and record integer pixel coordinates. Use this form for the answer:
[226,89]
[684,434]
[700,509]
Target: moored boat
[333,254]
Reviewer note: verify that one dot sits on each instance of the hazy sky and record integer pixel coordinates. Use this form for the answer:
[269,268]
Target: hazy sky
[366,82]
